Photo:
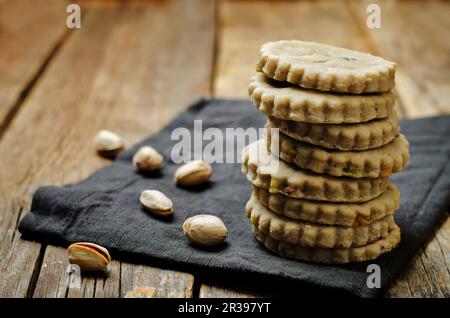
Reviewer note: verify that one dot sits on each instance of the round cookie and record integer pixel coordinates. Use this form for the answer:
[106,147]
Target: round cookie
[266,171]
[331,255]
[307,234]
[372,163]
[284,101]
[325,68]
[360,136]
[320,212]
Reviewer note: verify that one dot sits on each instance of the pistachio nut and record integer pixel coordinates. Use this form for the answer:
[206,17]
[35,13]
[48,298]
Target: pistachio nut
[89,256]
[108,144]
[205,230]
[156,202]
[193,173]
[147,159]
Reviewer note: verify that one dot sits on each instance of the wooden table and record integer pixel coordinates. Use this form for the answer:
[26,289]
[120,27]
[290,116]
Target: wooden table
[133,66]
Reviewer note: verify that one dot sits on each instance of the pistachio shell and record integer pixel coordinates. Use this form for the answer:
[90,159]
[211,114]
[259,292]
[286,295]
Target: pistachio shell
[89,256]
[205,229]
[147,159]
[193,173]
[156,202]
[108,144]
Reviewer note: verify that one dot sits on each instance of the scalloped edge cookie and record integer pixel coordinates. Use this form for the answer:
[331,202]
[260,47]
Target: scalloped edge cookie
[266,171]
[345,214]
[360,136]
[307,234]
[283,101]
[331,255]
[372,163]
[326,68]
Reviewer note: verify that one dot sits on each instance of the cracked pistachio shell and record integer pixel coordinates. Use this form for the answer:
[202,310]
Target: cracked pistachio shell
[89,256]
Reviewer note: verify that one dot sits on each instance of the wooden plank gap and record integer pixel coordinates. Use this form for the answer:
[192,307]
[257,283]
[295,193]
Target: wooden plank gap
[36,271]
[433,280]
[18,217]
[120,279]
[196,287]
[28,87]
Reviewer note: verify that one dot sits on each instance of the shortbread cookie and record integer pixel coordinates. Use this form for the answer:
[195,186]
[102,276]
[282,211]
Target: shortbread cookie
[266,171]
[307,234]
[372,163]
[283,101]
[345,214]
[331,255]
[326,68]
[361,136]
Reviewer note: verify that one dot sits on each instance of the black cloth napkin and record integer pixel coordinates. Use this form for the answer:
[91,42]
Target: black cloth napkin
[105,209]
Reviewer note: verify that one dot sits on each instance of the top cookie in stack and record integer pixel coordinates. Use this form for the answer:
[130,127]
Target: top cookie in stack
[328,198]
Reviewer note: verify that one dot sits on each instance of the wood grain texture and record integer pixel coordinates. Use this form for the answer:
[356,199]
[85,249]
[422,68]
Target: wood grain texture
[413,34]
[28,39]
[119,72]
[165,283]
[245,25]
[211,291]
[52,282]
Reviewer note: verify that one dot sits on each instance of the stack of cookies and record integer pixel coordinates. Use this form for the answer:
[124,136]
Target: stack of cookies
[321,189]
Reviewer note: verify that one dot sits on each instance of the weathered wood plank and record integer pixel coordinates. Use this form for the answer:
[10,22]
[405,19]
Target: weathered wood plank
[17,268]
[119,72]
[413,35]
[210,291]
[53,276]
[108,286]
[443,239]
[399,288]
[159,283]
[28,36]
[436,268]
[244,26]
[427,275]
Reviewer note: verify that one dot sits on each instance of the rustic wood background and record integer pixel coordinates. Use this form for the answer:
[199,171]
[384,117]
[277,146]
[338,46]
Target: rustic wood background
[133,66]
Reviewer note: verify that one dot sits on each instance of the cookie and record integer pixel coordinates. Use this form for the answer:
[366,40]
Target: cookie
[325,68]
[266,171]
[307,234]
[372,163]
[345,214]
[361,136]
[331,255]
[284,101]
